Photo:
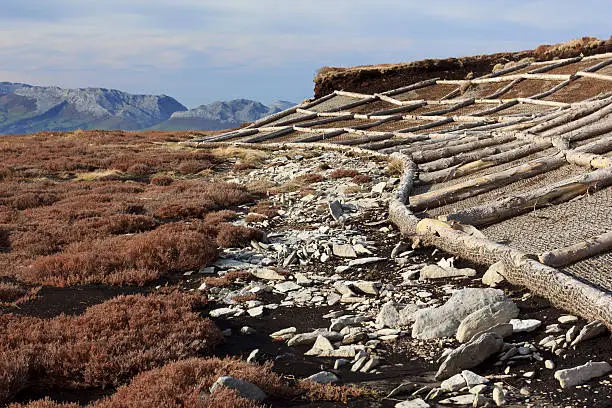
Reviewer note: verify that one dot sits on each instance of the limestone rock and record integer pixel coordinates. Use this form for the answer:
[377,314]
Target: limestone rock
[486,318]
[388,316]
[473,379]
[494,275]
[323,377]
[344,251]
[443,321]
[470,355]
[454,383]
[244,388]
[590,331]
[438,272]
[415,403]
[527,325]
[321,344]
[266,274]
[579,375]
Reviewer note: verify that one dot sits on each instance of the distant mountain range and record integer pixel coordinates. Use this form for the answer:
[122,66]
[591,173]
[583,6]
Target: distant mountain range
[27,109]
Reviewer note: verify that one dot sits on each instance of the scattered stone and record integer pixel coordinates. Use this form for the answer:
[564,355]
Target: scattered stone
[472,379]
[438,272]
[470,355]
[499,396]
[256,311]
[308,339]
[591,330]
[478,389]
[572,377]
[344,251]
[247,331]
[528,325]
[284,332]
[336,211]
[415,403]
[288,286]
[267,274]
[361,250]
[302,280]
[389,316]
[549,364]
[402,389]
[222,312]
[485,318]
[379,188]
[443,321]
[454,383]
[567,319]
[494,275]
[371,364]
[320,345]
[365,261]
[254,356]
[226,332]
[245,389]
[467,399]
[324,377]
[341,362]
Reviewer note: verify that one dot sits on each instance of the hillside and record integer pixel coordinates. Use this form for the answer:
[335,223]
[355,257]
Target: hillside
[27,109]
[221,115]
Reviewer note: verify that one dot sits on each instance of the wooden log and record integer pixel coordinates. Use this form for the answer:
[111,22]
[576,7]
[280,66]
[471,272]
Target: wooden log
[388,99]
[544,103]
[451,94]
[599,66]
[483,184]
[520,203]
[602,145]
[226,136]
[551,90]
[589,160]
[322,121]
[497,108]
[272,118]
[452,108]
[597,56]
[315,102]
[569,116]
[560,289]
[478,165]
[577,252]
[504,89]
[367,139]
[353,95]
[399,213]
[291,121]
[554,65]
[412,87]
[352,105]
[398,140]
[426,126]
[572,129]
[503,124]
[269,136]
[468,156]
[505,71]
[594,75]
[403,108]
[320,136]
[424,156]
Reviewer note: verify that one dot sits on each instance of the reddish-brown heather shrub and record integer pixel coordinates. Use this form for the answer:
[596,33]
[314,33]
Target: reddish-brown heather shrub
[244,298]
[227,279]
[107,345]
[186,384]
[140,169]
[32,200]
[162,180]
[255,217]
[218,217]
[169,248]
[230,235]
[193,166]
[242,166]
[309,178]
[266,209]
[362,179]
[116,224]
[342,173]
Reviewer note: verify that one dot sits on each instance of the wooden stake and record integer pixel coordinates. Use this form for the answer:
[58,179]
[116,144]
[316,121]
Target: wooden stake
[577,252]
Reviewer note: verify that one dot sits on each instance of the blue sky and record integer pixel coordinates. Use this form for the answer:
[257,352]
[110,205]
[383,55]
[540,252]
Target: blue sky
[206,50]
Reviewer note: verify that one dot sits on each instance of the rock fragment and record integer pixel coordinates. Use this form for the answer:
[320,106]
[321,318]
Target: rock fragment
[244,388]
[469,355]
[572,377]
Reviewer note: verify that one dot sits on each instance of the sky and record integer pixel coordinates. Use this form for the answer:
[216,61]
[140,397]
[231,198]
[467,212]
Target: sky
[199,51]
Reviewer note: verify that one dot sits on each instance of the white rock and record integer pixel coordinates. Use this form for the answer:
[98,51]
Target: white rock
[379,188]
[288,286]
[499,396]
[267,274]
[590,331]
[469,355]
[467,399]
[245,389]
[247,331]
[388,316]
[473,379]
[323,377]
[443,321]
[494,275]
[572,377]
[256,311]
[527,325]
[283,332]
[222,312]
[367,287]
[365,261]
[320,345]
[415,403]
[302,280]
[454,383]
[567,319]
[549,364]
[361,250]
[485,318]
[344,251]
[438,272]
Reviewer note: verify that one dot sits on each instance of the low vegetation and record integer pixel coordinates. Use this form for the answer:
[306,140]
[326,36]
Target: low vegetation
[105,346]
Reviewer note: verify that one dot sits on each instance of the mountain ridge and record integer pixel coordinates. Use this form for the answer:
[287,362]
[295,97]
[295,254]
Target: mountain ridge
[26,108]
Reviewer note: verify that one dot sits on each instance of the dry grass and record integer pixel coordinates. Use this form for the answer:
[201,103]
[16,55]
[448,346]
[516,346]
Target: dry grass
[395,167]
[105,346]
[246,156]
[228,279]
